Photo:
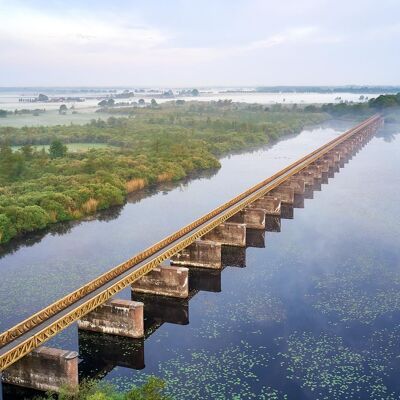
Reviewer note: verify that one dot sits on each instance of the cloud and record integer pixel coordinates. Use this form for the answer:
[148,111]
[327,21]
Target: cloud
[32,27]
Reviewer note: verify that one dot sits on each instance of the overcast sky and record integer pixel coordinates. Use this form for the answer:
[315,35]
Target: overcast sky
[199,43]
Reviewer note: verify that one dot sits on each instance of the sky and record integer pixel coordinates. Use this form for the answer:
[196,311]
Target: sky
[183,43]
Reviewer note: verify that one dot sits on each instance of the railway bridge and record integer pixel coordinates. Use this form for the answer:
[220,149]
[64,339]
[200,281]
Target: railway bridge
[162,269]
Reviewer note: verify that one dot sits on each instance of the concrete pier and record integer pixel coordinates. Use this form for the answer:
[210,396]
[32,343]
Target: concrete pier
[307,176]
[270,204]
[115,317]
[164,280]
[316,170]
[254,218]
[201,253]
[45,369]
[298,184]
[228,233]
[284,193]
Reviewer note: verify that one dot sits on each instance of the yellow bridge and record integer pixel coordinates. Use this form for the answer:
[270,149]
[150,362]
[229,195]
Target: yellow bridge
[28,335]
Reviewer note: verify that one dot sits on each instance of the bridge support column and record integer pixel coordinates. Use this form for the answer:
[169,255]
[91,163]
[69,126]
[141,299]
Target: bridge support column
[271,205]
[116,317]
[298,184]
[228,233]
[284,193]
[164,280]
[254,218]
[316,171]
[201,253]
[45,369]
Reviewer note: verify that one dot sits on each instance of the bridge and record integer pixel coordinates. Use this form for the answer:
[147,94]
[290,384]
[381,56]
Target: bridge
[195,245]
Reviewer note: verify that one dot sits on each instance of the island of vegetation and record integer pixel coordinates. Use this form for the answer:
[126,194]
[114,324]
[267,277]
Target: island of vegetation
[142,146]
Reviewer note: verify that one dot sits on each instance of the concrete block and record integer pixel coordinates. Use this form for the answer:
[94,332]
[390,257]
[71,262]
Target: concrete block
[270,204]
[284,193]
[115,317]
[201,253]
[164,281]
[254,218]
[228,233]
[45,369]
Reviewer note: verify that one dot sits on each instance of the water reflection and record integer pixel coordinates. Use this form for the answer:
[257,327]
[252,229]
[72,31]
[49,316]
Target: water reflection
[100,354]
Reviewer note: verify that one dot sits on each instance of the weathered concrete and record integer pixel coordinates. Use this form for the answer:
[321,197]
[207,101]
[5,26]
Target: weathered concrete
[255,238]
[164,280]
[287,211]
[46,369]
[270,204]
[234,257]
[101,353]
[284,193]
[163,309]
[228,233]
[316,170]
[273,224]
[254,218]
[298,184]
[205,280]
[307,176]
[324,164]
[116,317]
[201,253]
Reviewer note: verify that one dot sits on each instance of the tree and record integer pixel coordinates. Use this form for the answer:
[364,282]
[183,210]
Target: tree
[110,102]
[103,103]
[153,103]
[141,102]
[195,92]
[57,149]
[63,109]
[27,151]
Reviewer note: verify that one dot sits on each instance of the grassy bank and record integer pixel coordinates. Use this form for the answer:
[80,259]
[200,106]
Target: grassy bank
[150,145]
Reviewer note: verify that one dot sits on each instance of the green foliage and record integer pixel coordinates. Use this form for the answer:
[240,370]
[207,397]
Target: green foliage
[57,149]
[379,104]
[163,143]
[152,389]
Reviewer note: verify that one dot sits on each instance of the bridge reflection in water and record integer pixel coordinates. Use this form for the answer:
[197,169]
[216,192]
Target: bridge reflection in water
[100,353]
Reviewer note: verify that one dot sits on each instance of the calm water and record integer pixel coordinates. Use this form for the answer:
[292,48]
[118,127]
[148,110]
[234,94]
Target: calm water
[312,315]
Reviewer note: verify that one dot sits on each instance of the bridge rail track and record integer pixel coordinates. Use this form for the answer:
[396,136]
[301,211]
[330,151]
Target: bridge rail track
[40,327]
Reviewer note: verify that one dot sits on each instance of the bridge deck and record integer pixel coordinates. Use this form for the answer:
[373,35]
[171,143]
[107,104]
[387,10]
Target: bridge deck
[29,337]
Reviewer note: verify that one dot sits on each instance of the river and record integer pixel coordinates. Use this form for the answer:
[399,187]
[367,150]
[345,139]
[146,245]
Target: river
[312,315]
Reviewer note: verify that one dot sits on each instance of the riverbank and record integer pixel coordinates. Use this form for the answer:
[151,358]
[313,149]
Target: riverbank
[151,146]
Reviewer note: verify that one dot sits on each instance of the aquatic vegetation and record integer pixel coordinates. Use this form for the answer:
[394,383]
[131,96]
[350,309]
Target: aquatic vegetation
[231,372]
[362,290]
[325,366]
